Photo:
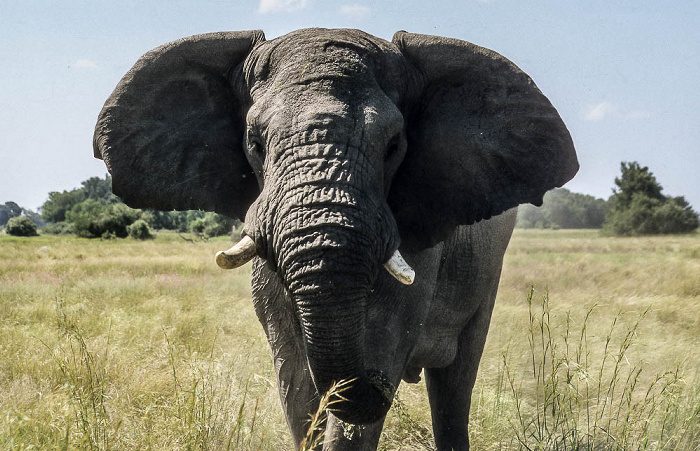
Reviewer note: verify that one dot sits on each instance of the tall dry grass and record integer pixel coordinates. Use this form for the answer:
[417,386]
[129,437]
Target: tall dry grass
[130,345]
[147,345]
[591,398]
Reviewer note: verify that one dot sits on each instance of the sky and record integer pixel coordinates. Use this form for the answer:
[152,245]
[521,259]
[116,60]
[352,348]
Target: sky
[623,74]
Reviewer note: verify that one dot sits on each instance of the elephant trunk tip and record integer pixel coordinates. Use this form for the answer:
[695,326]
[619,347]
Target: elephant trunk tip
[361,400]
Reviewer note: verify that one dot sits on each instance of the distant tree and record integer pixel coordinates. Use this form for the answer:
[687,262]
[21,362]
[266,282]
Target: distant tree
[99,189]
[160,220]
[21,226]
[58,203]
[563,209]
[639,208]
[56,206]
[34,216]
[8,211]
[635,179]
[531,217]
[13,209]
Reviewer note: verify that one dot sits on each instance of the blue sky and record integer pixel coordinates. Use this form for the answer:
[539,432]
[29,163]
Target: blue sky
[624,75]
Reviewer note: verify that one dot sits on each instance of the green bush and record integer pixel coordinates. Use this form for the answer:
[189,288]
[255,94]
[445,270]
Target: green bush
[211,224]
[21,226]
[84,217]
[117,218]
[169,220]
[95,219]
[58,228]
[139,230]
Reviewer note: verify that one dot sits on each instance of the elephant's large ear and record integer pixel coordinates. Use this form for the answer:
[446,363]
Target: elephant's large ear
[482,138]
[171,132]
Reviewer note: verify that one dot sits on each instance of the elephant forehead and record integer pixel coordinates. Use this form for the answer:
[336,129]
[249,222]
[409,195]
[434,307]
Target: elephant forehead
[330,66]
[310,55]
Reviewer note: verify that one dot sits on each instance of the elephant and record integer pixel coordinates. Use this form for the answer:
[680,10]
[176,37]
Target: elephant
[378,183]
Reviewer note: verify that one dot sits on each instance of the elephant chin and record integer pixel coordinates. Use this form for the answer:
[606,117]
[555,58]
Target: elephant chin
[364,400]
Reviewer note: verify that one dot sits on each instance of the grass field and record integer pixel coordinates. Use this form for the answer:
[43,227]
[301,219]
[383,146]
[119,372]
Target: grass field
[121,344]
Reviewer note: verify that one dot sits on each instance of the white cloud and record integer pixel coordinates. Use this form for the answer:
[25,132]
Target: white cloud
[607,110]
[84,64]
[355,11]
[600,111]
[277,6]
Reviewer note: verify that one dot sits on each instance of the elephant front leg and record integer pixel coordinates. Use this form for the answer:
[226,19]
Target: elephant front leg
[450,388]
[296,389]
[297,392]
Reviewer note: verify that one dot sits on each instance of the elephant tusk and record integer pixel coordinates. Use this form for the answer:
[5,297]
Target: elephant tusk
[240,254]
[401,270]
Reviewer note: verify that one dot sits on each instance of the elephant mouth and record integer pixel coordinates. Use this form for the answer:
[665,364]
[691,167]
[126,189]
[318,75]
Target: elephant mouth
[244,251]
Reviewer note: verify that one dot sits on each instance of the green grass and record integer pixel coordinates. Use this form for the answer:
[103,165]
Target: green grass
[121,344]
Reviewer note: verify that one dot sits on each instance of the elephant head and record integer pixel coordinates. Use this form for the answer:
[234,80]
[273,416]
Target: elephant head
[336,148]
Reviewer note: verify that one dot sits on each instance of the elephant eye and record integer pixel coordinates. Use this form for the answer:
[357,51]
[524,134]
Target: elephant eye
[255,146]
[393,147]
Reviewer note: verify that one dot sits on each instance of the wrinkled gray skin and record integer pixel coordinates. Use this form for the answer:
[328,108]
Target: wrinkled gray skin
[337,148]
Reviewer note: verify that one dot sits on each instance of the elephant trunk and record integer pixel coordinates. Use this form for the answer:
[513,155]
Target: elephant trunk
[330,300]
[329,246]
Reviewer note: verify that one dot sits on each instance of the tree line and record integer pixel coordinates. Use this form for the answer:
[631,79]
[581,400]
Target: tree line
[563,209]
[636,207]
[92,211]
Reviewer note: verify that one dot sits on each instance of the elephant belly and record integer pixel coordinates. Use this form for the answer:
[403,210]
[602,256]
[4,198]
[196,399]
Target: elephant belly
[465,285]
